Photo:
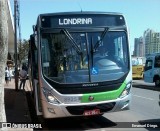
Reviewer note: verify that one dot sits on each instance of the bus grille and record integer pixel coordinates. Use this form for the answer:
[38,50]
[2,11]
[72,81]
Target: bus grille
[79,110]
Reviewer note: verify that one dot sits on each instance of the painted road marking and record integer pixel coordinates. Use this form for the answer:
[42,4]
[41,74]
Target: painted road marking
[143,97]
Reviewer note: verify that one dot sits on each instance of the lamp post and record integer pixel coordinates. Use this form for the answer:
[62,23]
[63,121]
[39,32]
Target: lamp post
[15,44]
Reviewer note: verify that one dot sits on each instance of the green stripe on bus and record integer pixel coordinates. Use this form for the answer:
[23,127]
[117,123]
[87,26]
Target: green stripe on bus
[103,96]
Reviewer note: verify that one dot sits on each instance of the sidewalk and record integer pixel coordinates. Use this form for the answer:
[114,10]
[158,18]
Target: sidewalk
[16,106]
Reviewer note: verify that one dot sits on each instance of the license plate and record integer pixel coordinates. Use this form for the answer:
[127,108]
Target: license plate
[91,112]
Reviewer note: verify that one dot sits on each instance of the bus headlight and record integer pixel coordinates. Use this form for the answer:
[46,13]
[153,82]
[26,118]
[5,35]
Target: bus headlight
[126,90]
[50,97]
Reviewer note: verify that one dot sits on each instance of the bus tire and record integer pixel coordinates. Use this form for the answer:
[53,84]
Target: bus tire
[157,82]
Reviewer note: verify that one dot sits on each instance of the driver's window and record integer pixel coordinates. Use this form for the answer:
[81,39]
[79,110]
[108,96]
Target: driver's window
[148,65]
[45,57]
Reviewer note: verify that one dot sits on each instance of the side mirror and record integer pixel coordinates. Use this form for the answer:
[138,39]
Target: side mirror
[32,43]
[32,56]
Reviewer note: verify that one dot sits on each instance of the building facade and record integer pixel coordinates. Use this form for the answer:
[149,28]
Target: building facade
[139,47]
[148,44]
[151,41]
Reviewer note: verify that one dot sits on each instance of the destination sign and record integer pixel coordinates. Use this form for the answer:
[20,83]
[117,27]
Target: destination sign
[81,20]
[75,21]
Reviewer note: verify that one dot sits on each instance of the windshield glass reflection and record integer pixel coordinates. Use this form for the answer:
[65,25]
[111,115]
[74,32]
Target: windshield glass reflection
[63,64]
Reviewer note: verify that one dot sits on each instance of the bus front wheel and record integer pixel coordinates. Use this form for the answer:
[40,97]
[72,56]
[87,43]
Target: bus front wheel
[157,82]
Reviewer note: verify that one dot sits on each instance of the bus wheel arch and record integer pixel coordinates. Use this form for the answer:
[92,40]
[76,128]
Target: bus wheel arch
[156,80]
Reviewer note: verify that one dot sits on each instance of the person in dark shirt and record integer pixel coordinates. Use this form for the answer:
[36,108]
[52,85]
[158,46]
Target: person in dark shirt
[22,76]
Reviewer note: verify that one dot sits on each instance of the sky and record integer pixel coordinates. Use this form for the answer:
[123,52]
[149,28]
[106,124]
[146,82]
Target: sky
[140,14]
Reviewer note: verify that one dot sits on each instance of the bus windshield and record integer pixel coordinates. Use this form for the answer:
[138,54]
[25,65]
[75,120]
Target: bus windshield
[137,61]
[73,61]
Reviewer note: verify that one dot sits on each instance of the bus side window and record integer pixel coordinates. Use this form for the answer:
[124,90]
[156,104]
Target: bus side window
[157,61]
[148,65]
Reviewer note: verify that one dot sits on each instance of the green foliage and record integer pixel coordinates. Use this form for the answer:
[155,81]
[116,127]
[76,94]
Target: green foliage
[23,48]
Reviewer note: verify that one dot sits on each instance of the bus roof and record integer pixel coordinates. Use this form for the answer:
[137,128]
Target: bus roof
[81,12]
[80,19]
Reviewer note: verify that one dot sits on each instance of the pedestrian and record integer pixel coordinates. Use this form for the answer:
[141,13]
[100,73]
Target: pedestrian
[10,74]
[7,76]
[22,76]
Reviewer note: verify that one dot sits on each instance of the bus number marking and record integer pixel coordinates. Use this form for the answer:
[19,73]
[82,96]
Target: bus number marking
[71,99]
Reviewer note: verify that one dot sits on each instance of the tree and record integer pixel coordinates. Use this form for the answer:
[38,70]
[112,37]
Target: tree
[23,48]
[3,53]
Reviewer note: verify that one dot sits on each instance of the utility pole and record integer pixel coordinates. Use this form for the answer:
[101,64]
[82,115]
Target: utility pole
[15,44]
[19,29]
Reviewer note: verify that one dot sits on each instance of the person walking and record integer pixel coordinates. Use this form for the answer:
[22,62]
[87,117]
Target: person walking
[10,74]
[7,76]
[22,76]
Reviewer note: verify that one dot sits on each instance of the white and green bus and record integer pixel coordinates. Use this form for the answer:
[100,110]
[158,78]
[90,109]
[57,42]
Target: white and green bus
[80,64]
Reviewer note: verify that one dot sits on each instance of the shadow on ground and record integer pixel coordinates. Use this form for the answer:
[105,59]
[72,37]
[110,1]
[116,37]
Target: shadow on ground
[79,123]
[142,86]
[151,124]
[16,106]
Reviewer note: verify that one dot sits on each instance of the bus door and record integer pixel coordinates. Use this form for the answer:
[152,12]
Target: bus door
[148,77]
[34,75]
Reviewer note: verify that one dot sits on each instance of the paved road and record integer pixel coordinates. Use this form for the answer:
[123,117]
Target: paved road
[144,108]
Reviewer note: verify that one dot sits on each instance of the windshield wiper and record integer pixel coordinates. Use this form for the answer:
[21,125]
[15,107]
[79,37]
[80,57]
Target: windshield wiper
[74,43]
[100,40]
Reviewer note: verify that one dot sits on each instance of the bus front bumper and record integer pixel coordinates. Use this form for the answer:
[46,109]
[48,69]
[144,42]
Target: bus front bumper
[68,110]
